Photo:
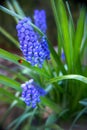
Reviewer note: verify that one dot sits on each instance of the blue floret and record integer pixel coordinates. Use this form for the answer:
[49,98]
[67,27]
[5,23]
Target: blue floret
[31,93]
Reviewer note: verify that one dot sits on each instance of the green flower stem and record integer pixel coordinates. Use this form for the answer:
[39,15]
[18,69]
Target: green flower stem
[11,8]
[18,8]
[10,12]
[6,34]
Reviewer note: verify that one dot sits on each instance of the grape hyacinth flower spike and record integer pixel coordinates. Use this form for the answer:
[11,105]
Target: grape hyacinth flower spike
[31,93]
[35,49]
[40,20]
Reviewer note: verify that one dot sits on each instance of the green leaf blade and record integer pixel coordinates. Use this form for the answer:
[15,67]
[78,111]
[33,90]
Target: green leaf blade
[67,41]
[10,82]
[79,33]
[66,77]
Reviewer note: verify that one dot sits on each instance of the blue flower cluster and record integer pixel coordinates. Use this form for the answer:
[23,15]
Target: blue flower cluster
[40,20]
[31,93]
[35,49]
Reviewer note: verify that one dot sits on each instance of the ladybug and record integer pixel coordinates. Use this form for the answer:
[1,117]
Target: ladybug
[20,61]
